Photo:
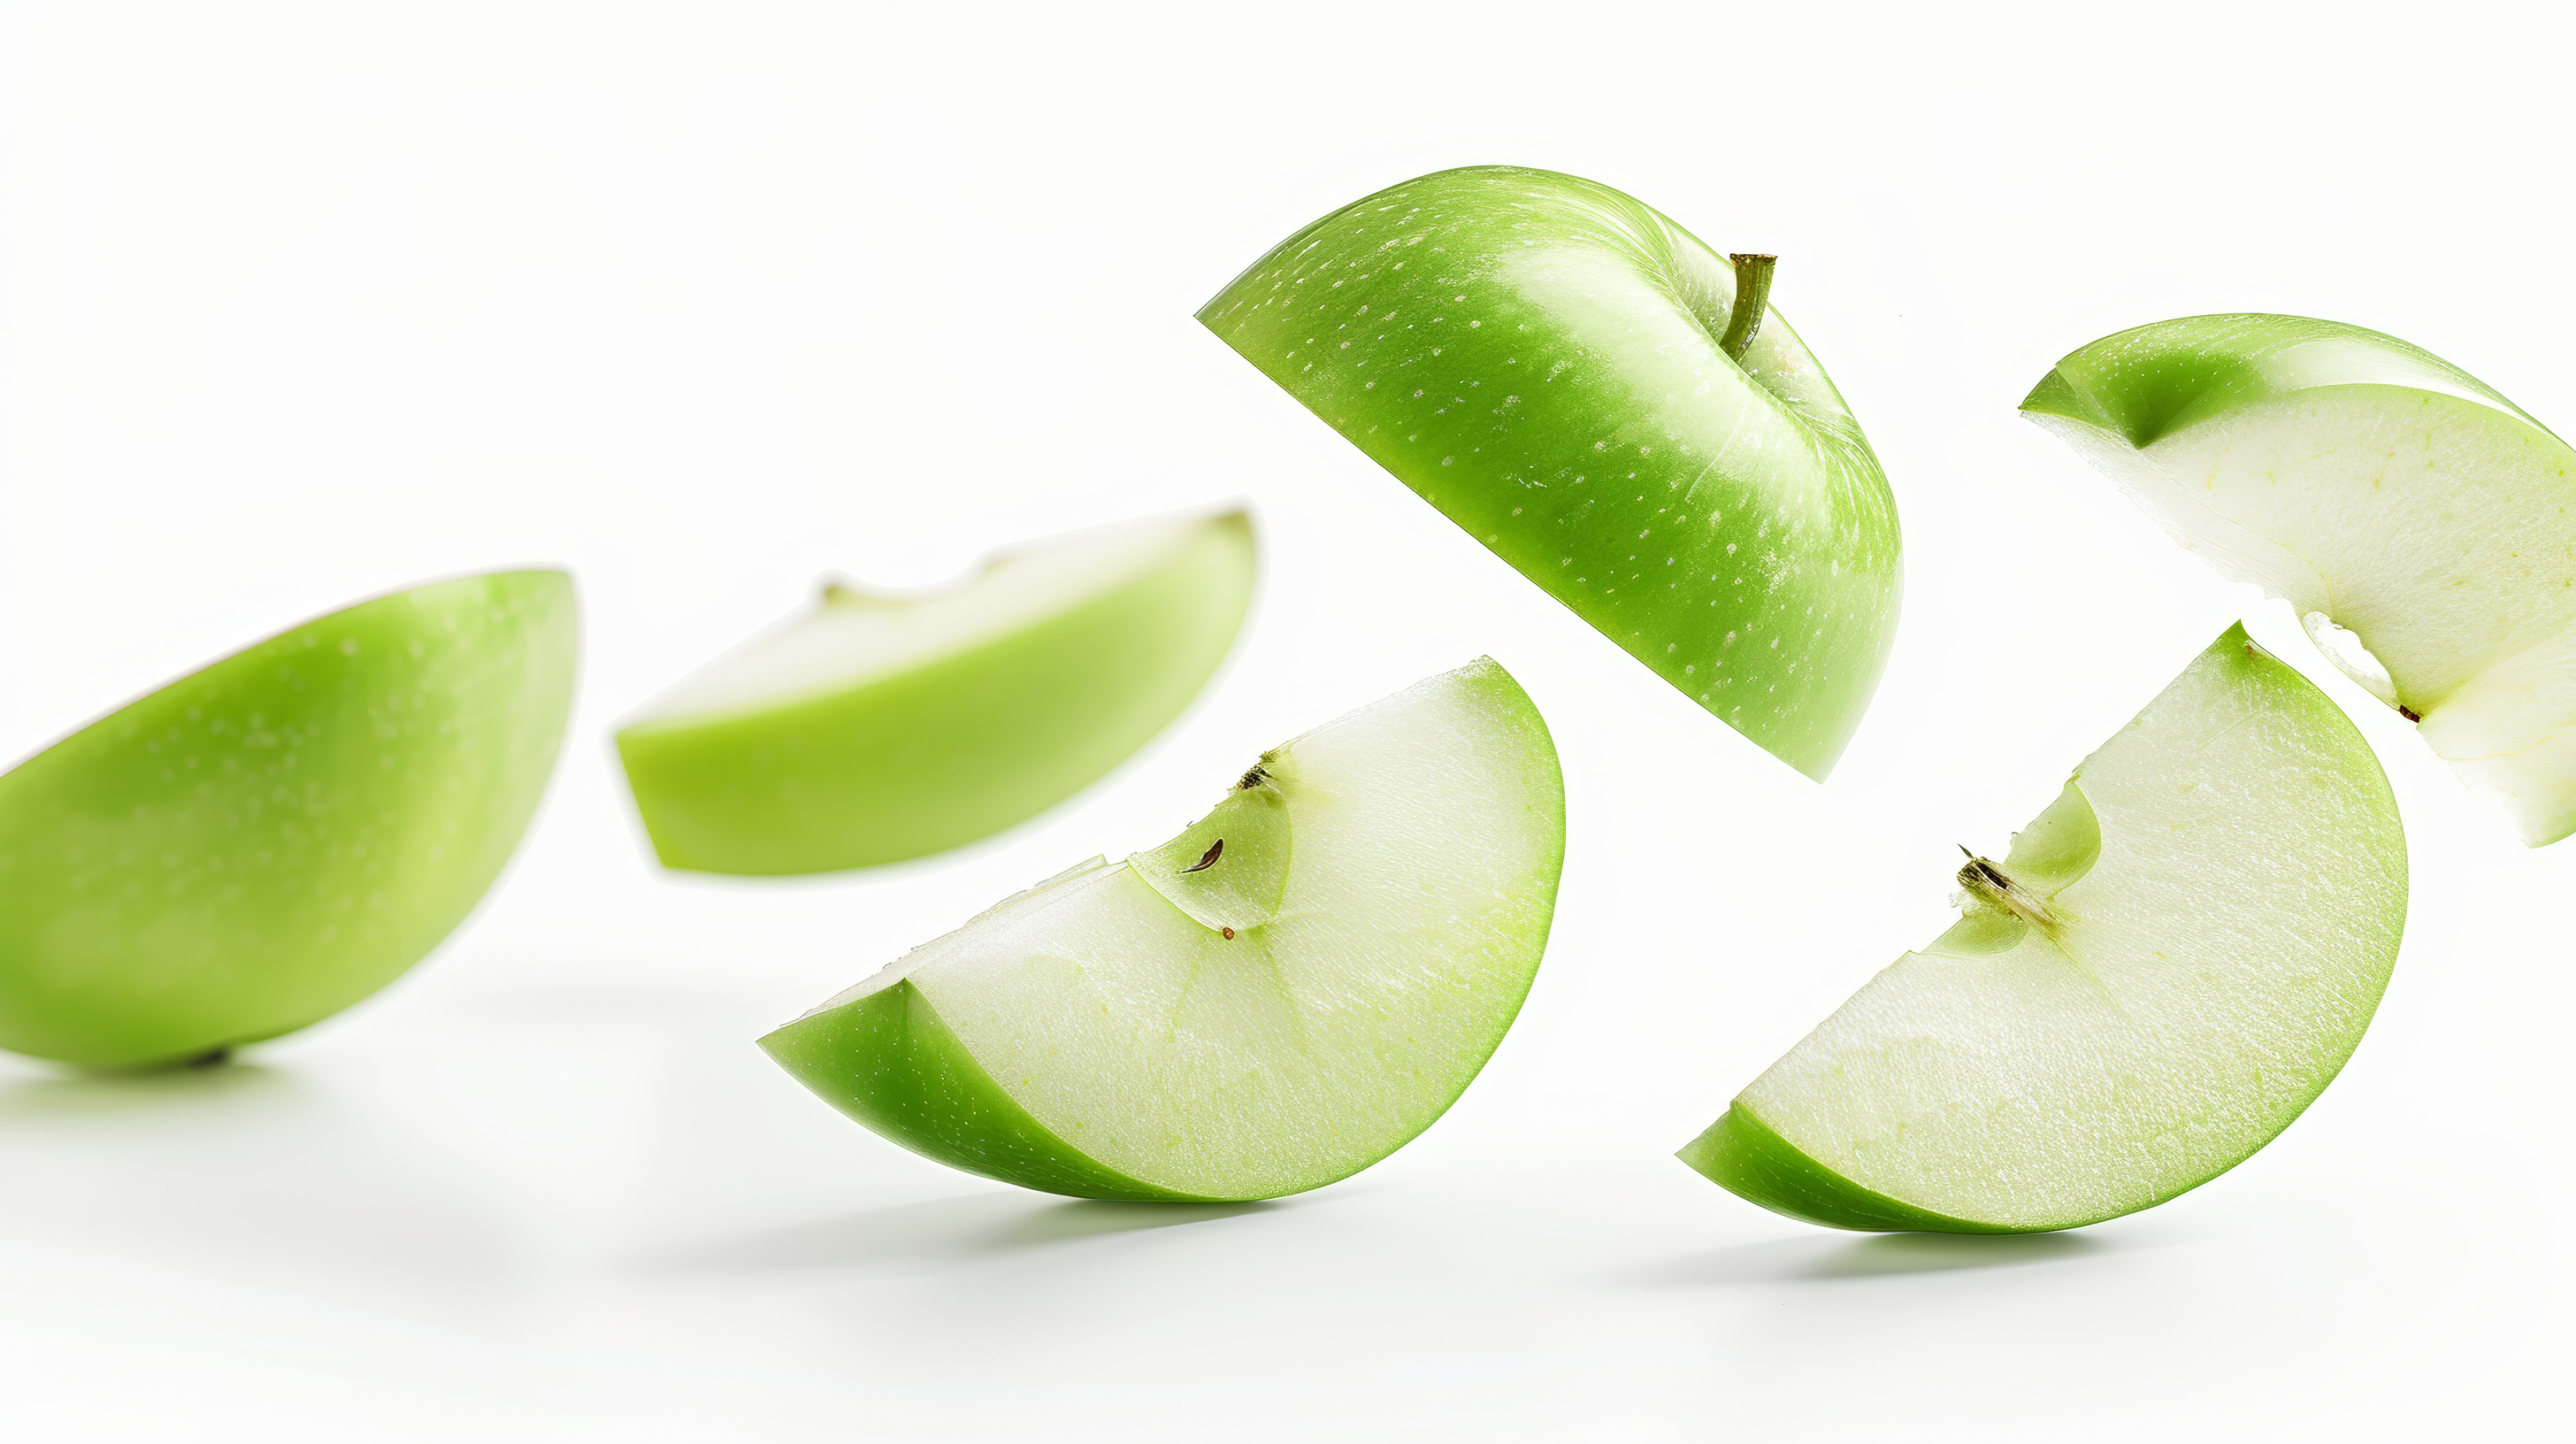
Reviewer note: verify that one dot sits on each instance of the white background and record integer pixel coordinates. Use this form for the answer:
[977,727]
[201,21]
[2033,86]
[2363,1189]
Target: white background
[298,304]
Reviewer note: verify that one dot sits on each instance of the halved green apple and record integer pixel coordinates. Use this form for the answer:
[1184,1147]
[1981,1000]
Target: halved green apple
[2423,526]
[262,843]
[1277,998]
[877,728]
[2171,963]
[1615,410]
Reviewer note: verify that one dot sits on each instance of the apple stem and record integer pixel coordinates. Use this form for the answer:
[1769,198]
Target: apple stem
[1752,295]
[1990,884]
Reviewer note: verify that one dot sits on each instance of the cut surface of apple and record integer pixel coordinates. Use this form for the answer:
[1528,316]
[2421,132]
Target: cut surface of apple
[1569,376]
[1277,998]
[2393,499]
[877,728]
[262,843]
[2171,963]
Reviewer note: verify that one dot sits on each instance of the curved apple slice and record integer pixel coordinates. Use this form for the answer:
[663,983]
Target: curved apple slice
[2390,496]
[2175,959]
[1566,374]
[260,844]
[1277,998]
[878,728]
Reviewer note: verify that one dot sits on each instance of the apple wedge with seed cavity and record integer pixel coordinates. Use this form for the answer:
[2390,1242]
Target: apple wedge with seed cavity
[2170,965]
[877,728]
[262,843]
[1277,998]
[1615,410]
[2423,526]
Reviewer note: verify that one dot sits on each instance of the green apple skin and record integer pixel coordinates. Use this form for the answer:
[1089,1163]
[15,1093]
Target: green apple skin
[2227,884]
[950,752]
[262,843]
[1741,1154]
[1319,1007]
[891,1063]
[1537,356]
[2383,492]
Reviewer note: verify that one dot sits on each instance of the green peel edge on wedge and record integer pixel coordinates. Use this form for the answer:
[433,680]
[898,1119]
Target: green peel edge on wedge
[890,1063]
[1741,1154]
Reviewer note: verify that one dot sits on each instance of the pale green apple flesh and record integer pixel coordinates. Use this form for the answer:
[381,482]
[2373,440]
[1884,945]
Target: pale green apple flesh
[2171,963]
[876,728]
[2423,526]
[262,843]
[1277,998]
[1587,390]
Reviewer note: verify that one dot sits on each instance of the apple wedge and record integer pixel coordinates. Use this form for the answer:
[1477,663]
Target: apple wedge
[1613,409]
[877,728]
[1277,998]
[2172,962]
[2423,526]
[262,843]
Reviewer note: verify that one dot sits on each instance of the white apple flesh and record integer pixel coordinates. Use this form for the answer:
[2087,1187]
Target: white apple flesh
[1277,998]
[2172,962]
[2388,495]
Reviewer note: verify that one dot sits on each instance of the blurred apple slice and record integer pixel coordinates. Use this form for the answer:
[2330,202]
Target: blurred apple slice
[877,728]
[265,841]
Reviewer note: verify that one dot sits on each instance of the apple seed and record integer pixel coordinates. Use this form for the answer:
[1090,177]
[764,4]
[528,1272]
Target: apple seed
[1989,883]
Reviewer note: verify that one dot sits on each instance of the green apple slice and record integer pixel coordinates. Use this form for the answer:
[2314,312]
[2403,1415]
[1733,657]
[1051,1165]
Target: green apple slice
[1584,388]
[1277,998]
[2173,961]
[877,728]
[262,843]
[2393,499]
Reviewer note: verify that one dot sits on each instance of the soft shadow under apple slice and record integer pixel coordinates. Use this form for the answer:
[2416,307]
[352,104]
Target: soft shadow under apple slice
[933,1231]
[1090,1217]
[1925,1253]
[41,1098]
[1792,1260]
[258,1175]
